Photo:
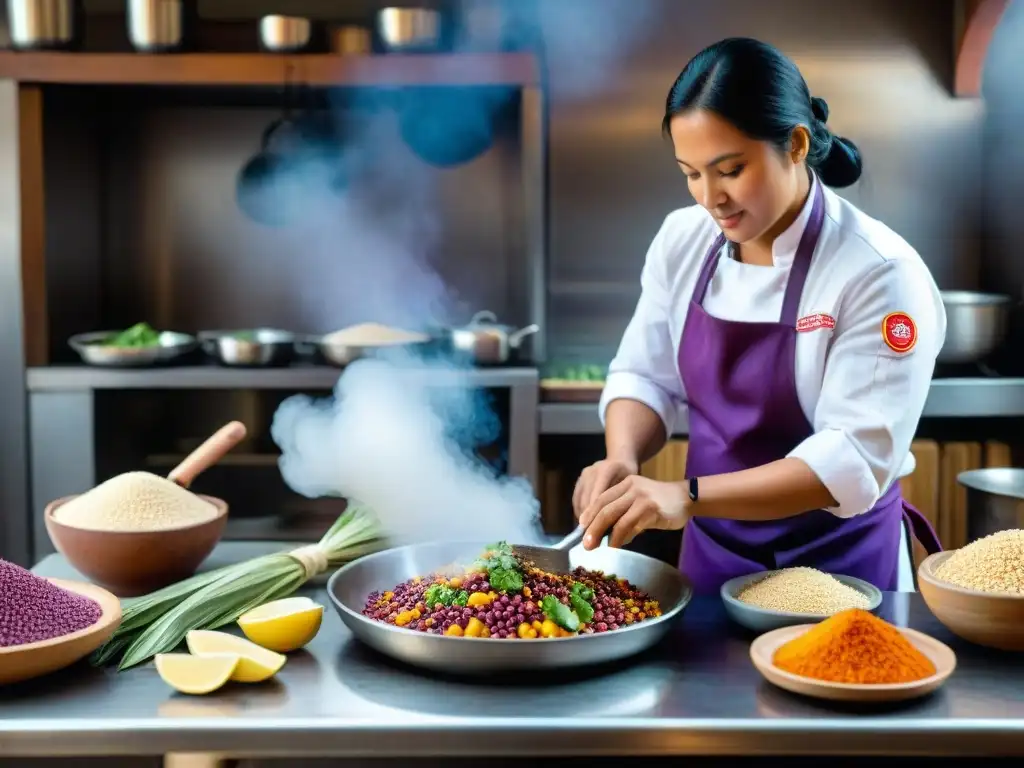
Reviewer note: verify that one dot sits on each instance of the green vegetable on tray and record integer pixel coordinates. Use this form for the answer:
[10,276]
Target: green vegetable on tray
[139,335]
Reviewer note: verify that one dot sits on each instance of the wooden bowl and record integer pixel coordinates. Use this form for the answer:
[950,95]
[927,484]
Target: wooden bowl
[990,619]
[762,653]
[25,662]
[132,563]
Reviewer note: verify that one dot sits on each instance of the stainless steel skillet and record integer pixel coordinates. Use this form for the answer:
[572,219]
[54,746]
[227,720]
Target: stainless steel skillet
[349,587]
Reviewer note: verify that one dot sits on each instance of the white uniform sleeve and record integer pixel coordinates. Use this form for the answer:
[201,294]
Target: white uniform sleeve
[644,368]
[872,397]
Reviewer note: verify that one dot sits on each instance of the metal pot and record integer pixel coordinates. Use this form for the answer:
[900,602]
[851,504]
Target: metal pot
[256,347]
[409,29]
[285,33]
[486,342]
[43,24]
[995,500]
[156,25]
[976,325]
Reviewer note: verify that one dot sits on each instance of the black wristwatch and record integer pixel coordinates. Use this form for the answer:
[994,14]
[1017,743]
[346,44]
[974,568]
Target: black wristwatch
[693,489]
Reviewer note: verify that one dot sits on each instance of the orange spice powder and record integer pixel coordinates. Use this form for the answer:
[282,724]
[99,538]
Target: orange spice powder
[854,646]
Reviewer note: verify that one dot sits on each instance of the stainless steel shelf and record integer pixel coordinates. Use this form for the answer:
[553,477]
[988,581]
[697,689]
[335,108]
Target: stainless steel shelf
[80,377]
[949,398]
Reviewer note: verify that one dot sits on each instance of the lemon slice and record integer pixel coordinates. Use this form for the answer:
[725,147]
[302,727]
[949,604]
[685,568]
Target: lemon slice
[283,625]
[255,664]
[196,674]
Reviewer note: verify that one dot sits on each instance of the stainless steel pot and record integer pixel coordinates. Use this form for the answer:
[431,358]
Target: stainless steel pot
[43,24]
[976,325]
[285,33]
[487,342]
[409,29]
[155,25]
[350,586]
[995,500]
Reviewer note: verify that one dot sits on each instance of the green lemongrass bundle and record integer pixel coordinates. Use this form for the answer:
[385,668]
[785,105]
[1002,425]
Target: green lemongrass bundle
[158,622]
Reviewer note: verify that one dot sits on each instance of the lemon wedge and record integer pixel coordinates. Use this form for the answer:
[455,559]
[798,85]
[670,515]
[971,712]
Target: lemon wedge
[196,674]
[255,664]
[283,625]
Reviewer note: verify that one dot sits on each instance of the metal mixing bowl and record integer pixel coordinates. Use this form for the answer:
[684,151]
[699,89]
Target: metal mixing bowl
[976,325]
[257,347]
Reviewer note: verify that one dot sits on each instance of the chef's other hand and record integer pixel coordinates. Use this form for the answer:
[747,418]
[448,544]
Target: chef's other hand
[598,478]
[634,505]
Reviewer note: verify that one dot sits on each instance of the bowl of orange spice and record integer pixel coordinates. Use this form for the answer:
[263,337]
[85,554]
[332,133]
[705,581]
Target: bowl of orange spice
[853,656]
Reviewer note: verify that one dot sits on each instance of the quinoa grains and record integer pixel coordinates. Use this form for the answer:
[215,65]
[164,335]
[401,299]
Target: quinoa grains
[802,590]
[993,564]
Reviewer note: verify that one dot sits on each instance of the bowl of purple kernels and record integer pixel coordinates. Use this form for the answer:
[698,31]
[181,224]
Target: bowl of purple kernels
[49,624]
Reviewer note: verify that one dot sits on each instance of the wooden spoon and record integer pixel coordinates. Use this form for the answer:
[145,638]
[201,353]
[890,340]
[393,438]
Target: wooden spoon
[208,454]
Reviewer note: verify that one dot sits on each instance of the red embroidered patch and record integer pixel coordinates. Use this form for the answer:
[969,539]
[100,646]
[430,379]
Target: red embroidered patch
[899,332]
[815,322]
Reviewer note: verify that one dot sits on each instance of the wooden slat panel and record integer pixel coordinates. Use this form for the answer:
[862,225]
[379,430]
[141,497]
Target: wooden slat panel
[956,458]
[921,488]
[33,225]
[670,463]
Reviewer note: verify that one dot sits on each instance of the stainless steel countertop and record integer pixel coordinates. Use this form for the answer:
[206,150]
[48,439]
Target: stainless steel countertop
[696,694]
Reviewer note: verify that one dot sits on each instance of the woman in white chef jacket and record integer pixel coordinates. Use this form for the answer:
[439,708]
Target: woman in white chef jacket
[796,333]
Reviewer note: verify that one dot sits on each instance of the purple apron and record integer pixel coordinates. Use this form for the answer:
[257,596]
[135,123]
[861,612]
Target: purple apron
[744,412]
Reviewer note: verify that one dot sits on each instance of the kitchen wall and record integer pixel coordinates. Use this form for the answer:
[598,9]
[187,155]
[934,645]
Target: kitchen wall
[1003,160]
[176,246]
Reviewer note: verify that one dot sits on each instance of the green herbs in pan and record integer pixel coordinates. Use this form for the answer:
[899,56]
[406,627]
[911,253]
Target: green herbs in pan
[578,611]
[442,594]
[503,569]
[140,335]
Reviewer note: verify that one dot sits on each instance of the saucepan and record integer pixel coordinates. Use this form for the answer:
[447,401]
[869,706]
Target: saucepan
[485,341]
[995,500]
[349,588]
[976,324]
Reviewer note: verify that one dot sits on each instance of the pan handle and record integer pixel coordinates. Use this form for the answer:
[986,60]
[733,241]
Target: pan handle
[571,540]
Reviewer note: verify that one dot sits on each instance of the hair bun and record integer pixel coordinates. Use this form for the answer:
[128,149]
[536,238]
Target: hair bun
[820,108]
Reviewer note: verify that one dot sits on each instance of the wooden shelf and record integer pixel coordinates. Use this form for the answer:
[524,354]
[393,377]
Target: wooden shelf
[259,69]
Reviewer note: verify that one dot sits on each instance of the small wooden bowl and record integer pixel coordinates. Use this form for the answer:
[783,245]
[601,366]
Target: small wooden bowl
[132,563]
[762,653]
[25,662]
[993,620]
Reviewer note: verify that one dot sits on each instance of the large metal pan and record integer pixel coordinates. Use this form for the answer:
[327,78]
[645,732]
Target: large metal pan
[352,584]
[976,324]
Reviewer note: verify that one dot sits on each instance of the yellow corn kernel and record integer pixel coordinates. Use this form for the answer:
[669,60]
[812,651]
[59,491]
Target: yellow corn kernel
[531,633]
[478,599]
[454,631]
[536,625]
[527,593]
[474,628]
[415,612]
[485,632]
[387,596]
[403,618]
[455,582]
[492,594]
[548,628]
[428,622]
[523,629]
[634,609]
[417,579]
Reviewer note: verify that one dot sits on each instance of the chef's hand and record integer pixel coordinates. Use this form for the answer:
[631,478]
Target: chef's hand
[634,505]
[598,478]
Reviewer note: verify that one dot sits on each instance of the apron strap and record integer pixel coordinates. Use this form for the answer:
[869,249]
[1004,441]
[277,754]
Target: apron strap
[802,260]
[919,526]
[707,269]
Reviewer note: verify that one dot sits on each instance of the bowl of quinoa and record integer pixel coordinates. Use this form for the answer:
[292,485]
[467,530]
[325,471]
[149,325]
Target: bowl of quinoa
[977,591]
[789,596]
[448,606]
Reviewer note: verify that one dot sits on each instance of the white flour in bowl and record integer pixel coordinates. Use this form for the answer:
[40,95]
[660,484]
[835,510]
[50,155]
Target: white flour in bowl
[373,335]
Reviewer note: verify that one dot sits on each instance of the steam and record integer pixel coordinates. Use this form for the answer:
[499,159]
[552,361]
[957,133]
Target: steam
[388,442]
[400,433]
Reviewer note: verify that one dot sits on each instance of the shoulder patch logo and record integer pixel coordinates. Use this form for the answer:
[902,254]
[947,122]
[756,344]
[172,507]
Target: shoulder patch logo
[899,332]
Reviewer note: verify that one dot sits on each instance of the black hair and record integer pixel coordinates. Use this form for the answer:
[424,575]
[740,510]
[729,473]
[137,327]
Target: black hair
[759,90]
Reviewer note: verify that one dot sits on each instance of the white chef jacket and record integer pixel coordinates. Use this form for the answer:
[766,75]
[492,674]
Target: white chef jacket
[863,399]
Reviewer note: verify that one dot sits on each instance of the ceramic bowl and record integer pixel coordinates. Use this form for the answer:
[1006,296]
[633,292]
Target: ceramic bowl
[983,618]
[764,620]
[132,563]
[25,662]
[762,654]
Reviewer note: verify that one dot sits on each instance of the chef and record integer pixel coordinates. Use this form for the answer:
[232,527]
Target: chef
[797,334]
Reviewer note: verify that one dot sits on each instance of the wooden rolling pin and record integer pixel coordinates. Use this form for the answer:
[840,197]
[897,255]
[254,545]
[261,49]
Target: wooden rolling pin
[209,453]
